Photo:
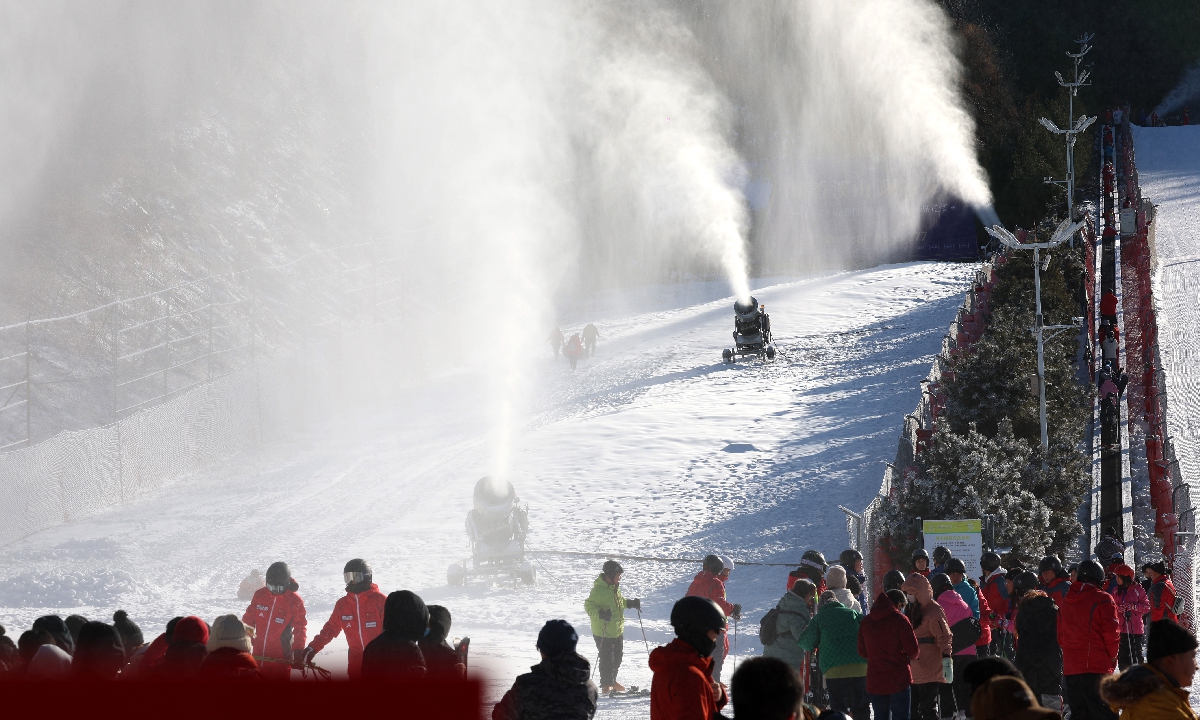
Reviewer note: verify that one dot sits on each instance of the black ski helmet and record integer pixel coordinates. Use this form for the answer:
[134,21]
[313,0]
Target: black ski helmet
[1051,562]
[848,557]
[1024,582]
[954,565]
[920,554]
[1090,571]
[892,580]
[278,574]
[940,583]
[941,555]
[612,568]
[357,572]
[713,564]
[989,561]
[697,613]
[814,558]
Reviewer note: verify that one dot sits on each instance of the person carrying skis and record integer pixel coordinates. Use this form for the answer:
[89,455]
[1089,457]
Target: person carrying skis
[277,615]
[556,341]
[573,349]
[590,336]
[606,607]
[710,583]
[359,613]
[683,684]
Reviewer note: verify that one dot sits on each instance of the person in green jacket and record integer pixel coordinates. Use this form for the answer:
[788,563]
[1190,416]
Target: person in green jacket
[833,633]
[606,607]
[795,612]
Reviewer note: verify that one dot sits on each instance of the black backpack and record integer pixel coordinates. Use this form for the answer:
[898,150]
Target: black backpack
[768,627]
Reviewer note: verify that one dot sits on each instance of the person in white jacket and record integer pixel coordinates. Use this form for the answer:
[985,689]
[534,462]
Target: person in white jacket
[835,580]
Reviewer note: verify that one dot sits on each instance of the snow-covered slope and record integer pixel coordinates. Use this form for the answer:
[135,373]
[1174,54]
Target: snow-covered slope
[1168,162]
[654,447]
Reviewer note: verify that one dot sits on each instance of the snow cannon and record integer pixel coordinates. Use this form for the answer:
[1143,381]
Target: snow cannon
[751,332]
[497,526]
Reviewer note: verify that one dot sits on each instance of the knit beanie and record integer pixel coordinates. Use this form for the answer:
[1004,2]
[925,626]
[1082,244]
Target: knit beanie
[405,614]
[1167,637]
[190,629]
[557,637]
[835,577]
[54,625]
[74,623]
[131,634]
[228,631]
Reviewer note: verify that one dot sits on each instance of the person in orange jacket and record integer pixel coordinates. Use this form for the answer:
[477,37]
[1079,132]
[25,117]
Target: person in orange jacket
[277,615]
[359,613]
[710,583]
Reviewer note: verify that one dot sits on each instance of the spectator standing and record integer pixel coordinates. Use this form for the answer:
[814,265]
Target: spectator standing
[48,662]
[188,648]
[994,585]
[441,659]
[157,648]
[395,653]
[833,633]
[791,620]
[276,612]
[9,657]
[99,655]
[132,641]
[1054,581]
[941,556]
[852,560]
[590,336]
[606,607]
[683,685]
[920,562]
[229,645]
[1004,696]
[887,641]
[934,642]
[957,571]
[1035,630]
[766,689]
[1089,637]
[955,697]
[58,630]
[1162,592]
[74,623]
[835,580]
[557,687]
[710,583]
[358,613]
[1132,607]
[1154,690]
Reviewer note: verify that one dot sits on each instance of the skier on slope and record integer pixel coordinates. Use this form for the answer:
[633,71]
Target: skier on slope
[590,336]
[606,607]
[277,615]
[359,613]
[250,585]
[573,349]
[710,583]
[556,341]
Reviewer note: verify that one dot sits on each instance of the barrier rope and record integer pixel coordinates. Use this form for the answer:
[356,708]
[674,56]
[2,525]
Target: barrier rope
[651,558]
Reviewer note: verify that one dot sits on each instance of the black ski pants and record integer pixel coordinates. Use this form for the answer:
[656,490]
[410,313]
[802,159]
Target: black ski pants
[1083,697]
[924,701]
[1130,652]
[849,695]
[611,650]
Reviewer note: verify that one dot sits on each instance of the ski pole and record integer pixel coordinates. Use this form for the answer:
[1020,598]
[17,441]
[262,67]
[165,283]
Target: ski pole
[735,644]
[643,627]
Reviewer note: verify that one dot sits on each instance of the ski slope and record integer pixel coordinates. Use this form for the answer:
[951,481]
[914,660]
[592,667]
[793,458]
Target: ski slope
[653,447]
[1168,162]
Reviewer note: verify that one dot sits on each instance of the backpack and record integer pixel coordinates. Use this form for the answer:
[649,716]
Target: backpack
[768,627]
[966,633]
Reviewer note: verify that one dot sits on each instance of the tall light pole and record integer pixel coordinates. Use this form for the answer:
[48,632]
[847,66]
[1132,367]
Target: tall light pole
[1065,231]
[1073,128]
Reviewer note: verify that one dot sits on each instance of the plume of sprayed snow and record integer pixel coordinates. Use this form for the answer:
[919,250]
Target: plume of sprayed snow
[1187,91]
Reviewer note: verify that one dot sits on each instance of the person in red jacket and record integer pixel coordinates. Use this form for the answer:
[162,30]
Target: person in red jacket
[710,583]
[683,686]
[886,639]
[276,613]
[1089,635]
[994,585]
[1162,592]
[1108,307]
[1054,580]
[359,613]
[986,618]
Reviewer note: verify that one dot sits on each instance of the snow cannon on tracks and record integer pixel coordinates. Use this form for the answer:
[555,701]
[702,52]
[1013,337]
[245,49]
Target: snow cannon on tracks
[497,526]
[751,332]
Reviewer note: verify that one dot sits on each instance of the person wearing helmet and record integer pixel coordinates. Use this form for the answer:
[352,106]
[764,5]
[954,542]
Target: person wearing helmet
[956,570]
[833,633]
[683,685]
[920,562]
[956,696]
[1089,635]
[813,567]
[1054,579]
[276,613]
[941,555]
[358,613]
[995,590]
[893,580]
[1035,626]
[852,560]
[1132,606]
[606,607]
[710,583]
[1162,592]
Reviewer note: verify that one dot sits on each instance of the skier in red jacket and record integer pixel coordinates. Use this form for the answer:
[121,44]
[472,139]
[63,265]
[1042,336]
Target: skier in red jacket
[359,613]
[276,613]
[1054,579]
[994,585]
[710,583]
[1089,635]
[1162,592]
[1108,307]
[683,686]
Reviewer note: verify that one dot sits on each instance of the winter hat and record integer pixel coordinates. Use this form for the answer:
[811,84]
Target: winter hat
[74,622]
[54,625]
[803,587]
[439,623]
[557,637]
[405,614]
[228,631]
[131,634]
[1167,637]
[980,671]
[1007,698]
[190,629]
[100,654]
[1159,567]
[1124,570]
[835,577]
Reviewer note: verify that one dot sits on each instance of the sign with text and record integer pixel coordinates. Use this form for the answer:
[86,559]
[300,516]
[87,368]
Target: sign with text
[963,538]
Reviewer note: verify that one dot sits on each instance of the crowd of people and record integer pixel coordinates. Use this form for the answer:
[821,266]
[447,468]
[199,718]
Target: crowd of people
[579,345]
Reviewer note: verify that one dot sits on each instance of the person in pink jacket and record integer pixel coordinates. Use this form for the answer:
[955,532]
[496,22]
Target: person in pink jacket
[1132,606]
[956,695]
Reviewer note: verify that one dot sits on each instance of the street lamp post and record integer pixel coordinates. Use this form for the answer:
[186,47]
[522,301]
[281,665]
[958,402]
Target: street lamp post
[1065,231]
[1073,128]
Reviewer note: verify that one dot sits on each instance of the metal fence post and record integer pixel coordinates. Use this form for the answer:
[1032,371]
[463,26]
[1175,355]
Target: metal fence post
[28,384]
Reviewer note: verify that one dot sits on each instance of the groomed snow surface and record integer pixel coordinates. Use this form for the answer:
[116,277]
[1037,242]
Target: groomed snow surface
[1168,162]
[654,447]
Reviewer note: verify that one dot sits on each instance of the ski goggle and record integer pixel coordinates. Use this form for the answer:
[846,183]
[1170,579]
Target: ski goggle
[276,589]
[354,578]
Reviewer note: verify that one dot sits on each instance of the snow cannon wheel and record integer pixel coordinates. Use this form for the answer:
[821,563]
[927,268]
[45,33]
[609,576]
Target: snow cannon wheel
[456,575]
[770,352]
[727,355]
[526,573]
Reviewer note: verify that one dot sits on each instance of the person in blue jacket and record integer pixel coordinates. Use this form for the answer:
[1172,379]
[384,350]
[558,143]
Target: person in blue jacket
[958,575]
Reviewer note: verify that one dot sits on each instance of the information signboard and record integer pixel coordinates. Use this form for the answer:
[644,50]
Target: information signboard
[963,538]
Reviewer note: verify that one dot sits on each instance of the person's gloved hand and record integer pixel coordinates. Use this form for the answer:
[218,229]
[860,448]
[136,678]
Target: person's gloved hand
[303,658]
[633,603]
[605,614]
[737,611]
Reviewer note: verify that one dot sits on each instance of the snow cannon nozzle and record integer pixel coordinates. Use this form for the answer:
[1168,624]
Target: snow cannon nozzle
[745,307]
